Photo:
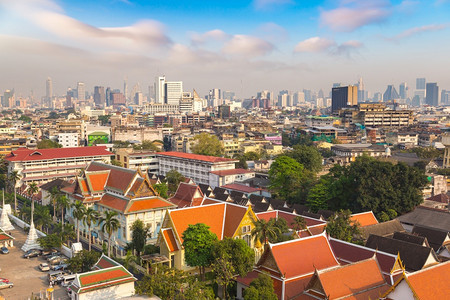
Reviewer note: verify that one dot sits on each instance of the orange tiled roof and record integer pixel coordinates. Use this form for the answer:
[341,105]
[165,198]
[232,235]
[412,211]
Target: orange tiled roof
[187,195]
[364,218]
[114,202]
[431,283]
[119,178]
[315,252]
[147,204]
[97,180]
[170,239]
[233,217]
[351,279]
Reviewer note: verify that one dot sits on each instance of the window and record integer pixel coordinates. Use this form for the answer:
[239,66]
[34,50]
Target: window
[248,239]
[246,229]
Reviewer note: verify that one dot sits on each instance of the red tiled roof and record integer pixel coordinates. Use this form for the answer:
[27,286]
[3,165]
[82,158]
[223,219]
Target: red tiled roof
[114,202]
[24,154]
[105,262]
[431,283]
[231,172]
[147,204]
[170,239]
[317,229]
[119,178]
[4,237]
[240,188]
[233,217]
[187,195]
[204,158]
[315,252]
[289,217]
[97,180]
[364,219]
[100,276]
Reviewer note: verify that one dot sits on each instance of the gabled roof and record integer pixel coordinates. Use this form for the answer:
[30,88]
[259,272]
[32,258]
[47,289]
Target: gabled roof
[300,257]
[426,216]
[24,154]
[289,217]
[382,229]
[349,280]
[58,183]
[105,262]
[187,195]
[126,206]
[119,178]
[436,238]
[414,257]
[103,278]
[231,172]
[241,188]
[198,157]
[169,238]
[364,219]
[411,238]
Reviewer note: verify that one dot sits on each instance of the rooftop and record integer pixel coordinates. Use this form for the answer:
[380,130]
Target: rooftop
[204,158]
[24,154]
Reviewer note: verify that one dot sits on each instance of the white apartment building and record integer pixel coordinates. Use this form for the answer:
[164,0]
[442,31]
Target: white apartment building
[174,92]
[68,139]
[44,165]
[224,177]
[138,159]
[194,166]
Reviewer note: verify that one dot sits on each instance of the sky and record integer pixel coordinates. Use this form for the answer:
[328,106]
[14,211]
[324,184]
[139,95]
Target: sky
[241,46]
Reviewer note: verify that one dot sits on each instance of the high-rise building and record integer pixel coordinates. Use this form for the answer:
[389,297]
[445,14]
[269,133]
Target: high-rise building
[297,98]
[108,96]
[117,98]
[420,83]
[403,90]
[125,88]
[69,98]
[160,94]
[48,90]
[81,92]
[173,92]
[99,96]
[227,95]
[8,98]
[361,90]
[390,93]
[139,98]
[343,96]
[432,94]
[445,97]
[214,97]
[308,96]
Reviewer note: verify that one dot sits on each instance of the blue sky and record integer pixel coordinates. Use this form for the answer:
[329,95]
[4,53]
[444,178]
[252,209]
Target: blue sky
[244,46]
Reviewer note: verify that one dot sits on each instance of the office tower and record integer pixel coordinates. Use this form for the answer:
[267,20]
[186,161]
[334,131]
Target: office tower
[377,97]
[224,111]
[49,90]
[403,90]
[320,94]
[69,98]
[160,94]
[432,94]
[173,92]
[125,88]
[445,97]
[390,93]
[108,96]
[343,96]
[81,92]
[139,98]
[307,93]
[117,98]
[227,95]
[336,84]
[420,83]
[361,90]
[297,98]
[99,96]
[214,97]
[8,98]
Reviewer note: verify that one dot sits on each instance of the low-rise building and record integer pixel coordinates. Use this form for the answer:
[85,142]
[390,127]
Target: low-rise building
[351,151]
[138,159]
[223,177]
[68,139]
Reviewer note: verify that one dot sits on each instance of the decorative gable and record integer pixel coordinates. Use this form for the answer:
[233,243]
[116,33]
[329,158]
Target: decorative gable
[145,190]
[268,261]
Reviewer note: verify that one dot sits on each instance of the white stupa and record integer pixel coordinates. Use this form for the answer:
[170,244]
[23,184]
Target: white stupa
[32,239]
[5,223]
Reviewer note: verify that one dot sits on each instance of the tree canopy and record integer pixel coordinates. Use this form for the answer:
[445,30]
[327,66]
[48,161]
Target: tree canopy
[261,288]
[83,261]
[46,144]
[173,178]
[308,156]
[139,235]
[207,144]
[286,177]
[341,227]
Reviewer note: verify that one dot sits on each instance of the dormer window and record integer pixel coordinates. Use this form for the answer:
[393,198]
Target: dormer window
[36,153]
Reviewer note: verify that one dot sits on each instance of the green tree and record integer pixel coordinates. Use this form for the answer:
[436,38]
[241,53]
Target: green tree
[308,156]
[66,232]
[299,223]
[110,225]
[83,261]
[46,144]
[282,233]
[42,217]
[261,288]
[25,118]
[63,203]
[90,217]
[198,242]
[146,145]
[116,163]
[139,234]
[207,144]
[173,178]
[32,190]
[53,195]
[13,178]
[231,257]
[50,241]
[161,189]
[319,195]
[104,120]
[286,178]
[265,231]
[340,226]
[78,211]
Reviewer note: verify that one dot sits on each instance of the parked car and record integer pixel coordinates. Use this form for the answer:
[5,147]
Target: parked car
[44,267]
[49,252]
[4,285]
[4,250]
[62,266]
[4,280]
[57,260]
[53,275]
[32,253]
[52,257]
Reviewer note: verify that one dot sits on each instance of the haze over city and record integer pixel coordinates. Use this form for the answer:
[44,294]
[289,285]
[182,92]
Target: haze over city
[243,46]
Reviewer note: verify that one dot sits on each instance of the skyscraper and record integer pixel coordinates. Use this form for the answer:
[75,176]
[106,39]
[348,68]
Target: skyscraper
[160,89]
[81,91]
[49,90]
[420,83]
[432,95]
[7,100]
[361,90]
[99,96]
[343,96]
[108,96]
[390,93]
[125,88]
[403,90]
[173,92]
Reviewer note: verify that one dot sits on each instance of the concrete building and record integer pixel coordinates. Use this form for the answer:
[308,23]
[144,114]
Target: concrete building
[224,177]
[138,159]
[99,96]
[446,142]
[68,139]
[343,97]
[160,92]
[139,134]
[81,91]
[432,94]
[173,92]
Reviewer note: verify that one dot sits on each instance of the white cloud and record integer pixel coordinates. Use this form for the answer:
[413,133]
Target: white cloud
[355,14]
[245,45]
[416,30]
[272,32]
[314,44]
[212,35]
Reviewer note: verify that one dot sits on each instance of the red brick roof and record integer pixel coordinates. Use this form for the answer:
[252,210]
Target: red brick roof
[289,217]
[24,154]
[204,158]
[240,188]
[231,172]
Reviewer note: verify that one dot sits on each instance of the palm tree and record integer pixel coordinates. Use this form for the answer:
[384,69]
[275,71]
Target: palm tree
[32,190]
[90,216]
[65,232]
[110,225]
[53,195]
[264,230]
[299,223]
[63,203]
[78,213]
[13,178]
[42,217]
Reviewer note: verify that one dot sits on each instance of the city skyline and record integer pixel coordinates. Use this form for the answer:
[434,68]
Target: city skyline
[238,46]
